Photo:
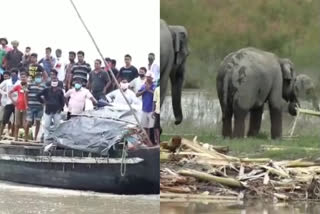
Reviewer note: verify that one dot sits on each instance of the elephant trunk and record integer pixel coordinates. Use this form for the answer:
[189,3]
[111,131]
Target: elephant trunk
[176,89]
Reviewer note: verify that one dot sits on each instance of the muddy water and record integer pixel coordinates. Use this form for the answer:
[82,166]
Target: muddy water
[254,207]
[16,199]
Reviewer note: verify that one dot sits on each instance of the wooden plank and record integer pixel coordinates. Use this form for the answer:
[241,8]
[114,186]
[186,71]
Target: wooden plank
[58,159]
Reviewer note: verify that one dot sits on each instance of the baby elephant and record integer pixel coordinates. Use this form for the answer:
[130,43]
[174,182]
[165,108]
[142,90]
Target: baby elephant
[304,88]
[246,80]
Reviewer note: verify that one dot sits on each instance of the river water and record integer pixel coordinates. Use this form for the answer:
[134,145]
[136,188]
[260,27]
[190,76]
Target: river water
[16,199]
[254,207]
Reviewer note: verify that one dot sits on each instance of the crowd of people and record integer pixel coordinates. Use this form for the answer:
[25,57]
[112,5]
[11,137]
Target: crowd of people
[34,90]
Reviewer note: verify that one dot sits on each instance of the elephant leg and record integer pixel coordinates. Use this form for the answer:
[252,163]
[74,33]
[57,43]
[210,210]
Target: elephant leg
[276,122]
[239,123]
[255,121]
[227,123]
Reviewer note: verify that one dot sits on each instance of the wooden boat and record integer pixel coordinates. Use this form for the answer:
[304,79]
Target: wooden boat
[138,173]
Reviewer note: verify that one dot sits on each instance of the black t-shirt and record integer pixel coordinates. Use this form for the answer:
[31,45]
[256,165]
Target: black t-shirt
[98,80]
[128,73]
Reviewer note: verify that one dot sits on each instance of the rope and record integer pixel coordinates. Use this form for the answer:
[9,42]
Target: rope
[110,71]
[123,167]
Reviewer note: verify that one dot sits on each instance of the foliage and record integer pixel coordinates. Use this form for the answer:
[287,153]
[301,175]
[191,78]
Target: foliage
[218,27]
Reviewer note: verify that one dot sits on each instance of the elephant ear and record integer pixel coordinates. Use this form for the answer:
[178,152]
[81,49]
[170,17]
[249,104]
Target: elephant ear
[287,69]
[180,43]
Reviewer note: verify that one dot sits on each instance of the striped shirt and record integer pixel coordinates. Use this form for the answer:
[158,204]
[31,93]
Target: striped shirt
[33,91]
[81,71]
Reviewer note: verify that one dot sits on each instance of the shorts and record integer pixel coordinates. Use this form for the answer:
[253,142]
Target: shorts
[147,120]
[20,117]
[157,121]
[34,114]
[7,113]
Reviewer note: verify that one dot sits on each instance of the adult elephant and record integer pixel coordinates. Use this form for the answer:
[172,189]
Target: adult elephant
[304,88]
[246,80]
[173,54]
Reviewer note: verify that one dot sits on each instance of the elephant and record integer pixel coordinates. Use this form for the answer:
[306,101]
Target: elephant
[247,79]
[304,88]
[173,54]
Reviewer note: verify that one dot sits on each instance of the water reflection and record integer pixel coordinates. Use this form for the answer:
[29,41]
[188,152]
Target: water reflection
[253,207]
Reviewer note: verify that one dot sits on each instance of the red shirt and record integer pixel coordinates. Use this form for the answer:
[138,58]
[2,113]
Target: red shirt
[21,101]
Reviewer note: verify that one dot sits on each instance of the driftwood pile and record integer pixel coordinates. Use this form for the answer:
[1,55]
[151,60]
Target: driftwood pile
[200,172]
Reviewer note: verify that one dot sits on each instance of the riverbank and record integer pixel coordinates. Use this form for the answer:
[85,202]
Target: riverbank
[262,147]
[192,170]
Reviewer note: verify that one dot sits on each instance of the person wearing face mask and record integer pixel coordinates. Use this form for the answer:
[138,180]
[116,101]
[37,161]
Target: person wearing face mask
[146,91]
[138,82]
[20,104]
[35,108]
[53,98]
[5,87]
[77,101]
[35,68]
[116,97]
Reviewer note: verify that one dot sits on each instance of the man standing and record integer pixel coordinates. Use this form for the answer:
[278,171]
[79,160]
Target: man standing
[4,97]
[78,96]
[20,103]
[48,61]
[138,82]
[146,91]
[34,68]
[13,58]
[72,58]
[117,98]
[60,66]
[153,67]
[35,108]
[26,60]
[156,114]
[53,98]
[54,78]
[128,72]
[80,70]
[99,81]
[5,87]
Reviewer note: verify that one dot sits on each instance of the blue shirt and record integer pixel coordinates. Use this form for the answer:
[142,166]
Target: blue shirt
[147,98]
[47,66]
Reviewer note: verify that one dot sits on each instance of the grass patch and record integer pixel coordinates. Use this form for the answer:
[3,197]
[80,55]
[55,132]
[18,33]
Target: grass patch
[251,147]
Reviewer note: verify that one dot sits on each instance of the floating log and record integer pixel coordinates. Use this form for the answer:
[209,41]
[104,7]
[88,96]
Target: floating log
[175,189]
[211,178]
[197,196]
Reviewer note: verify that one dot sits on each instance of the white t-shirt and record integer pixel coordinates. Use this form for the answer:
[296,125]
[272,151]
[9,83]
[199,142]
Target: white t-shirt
[117,97]
[60,67]
[136,84]
[155,70]
[5,87]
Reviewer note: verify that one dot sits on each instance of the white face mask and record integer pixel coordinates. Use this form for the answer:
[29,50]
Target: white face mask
[54,84]
[124,86]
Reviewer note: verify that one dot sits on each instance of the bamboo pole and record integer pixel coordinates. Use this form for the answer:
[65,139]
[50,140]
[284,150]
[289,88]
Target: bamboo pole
[211,178]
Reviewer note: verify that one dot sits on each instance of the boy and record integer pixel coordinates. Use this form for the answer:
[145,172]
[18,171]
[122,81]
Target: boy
[20,104]
[35,108]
